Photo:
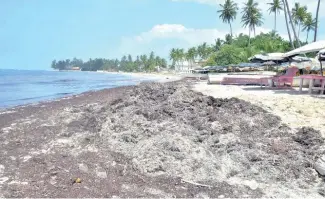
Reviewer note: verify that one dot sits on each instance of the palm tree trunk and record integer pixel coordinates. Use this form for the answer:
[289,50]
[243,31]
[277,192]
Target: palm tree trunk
[307,36]
[288,28]
[275,21]
[299,31]
[249,37]
[230,29]
[316,28]
[292,25]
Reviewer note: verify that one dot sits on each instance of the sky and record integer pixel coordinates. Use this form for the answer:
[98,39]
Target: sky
[35,32]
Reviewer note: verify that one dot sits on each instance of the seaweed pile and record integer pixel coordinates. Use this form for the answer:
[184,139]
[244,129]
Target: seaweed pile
[170,130]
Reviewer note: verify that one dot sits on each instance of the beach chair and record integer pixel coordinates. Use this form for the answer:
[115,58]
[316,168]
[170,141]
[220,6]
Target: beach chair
[283,80]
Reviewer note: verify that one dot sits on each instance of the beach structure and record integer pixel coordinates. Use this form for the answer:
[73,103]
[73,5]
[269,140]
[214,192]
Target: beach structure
[312,47]
[316,82]
[75,68]
[261,58]
[318,46]
[282,80]
[295,66]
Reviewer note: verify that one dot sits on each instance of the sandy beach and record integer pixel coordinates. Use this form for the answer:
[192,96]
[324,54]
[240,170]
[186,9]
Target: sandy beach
[167,139]
[158,77]
[295,109]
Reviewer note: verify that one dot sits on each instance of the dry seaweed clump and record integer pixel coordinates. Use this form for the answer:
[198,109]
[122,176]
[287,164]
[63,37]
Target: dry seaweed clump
[168,129]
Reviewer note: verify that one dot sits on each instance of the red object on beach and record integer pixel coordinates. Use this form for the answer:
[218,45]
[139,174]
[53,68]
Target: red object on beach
[287,78]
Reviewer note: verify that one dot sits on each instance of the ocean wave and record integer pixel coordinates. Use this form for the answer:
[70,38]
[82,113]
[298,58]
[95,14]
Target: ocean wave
[56,81]
[41,97]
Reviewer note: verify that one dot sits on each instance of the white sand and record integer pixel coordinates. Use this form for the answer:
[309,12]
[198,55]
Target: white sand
[295,109]
[159,77]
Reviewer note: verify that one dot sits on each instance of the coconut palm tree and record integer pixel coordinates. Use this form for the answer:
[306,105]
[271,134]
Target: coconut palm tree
[309,24]
[252,16]
[180,56]
[291,21]
[190,56]
[276,7]
[316,28]
[202,51]
[298,16]
[228,12]
[287,24]
[218,43]
[174,57]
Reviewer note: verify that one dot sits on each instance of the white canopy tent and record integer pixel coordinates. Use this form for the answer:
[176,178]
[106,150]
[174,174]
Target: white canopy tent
[267,57]
[312,47]
[318,46]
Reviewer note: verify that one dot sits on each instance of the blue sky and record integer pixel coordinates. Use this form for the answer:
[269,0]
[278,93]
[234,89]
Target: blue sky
[34,32]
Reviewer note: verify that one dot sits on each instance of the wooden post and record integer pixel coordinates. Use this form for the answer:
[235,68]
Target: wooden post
[321,66]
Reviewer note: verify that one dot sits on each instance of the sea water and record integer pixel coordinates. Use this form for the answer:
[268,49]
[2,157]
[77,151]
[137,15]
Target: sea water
[18,87]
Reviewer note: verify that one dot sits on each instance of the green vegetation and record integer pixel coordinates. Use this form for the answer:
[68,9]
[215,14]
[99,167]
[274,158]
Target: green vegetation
[225,51]
[140,64]
[235,51]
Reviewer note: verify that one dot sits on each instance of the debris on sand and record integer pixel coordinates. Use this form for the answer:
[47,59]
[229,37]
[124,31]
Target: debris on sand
[170,130]
[157,140]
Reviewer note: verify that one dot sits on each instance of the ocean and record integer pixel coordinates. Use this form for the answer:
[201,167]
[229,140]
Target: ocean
[19,87]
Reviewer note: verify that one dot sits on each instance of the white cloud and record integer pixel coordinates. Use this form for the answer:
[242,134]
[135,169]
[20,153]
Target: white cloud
[161,38]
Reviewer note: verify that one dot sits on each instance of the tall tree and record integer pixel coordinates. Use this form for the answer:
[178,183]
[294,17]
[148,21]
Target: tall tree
[298,16]
[174,57]
[180,56]
[252,16]
[228,39]
[309,24]
[190,56]
[287,24]
[151,62]
[275,7]
[53,65]
[144,62]
[316,28]
[218,44]
[291,22]
[228,12]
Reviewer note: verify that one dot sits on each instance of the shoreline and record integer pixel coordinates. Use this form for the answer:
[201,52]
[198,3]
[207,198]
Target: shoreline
[142,77]
[149,140]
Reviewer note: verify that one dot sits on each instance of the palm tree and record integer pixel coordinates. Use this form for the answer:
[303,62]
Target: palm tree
[144,60]
[252,16]
[298,15]
[276,7]
[309,24]
[218,44]
[287,24]
[316,28]
[291,22]
[190,56]
[202,51]
[228,12]
[173,56]
[228,39]
[179,55]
